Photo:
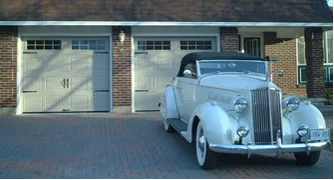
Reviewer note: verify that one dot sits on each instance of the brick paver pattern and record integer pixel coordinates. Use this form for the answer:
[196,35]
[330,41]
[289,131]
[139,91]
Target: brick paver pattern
[124,146]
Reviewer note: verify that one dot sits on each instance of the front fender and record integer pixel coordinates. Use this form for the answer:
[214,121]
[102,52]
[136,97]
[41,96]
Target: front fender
[218,126]
[306,114]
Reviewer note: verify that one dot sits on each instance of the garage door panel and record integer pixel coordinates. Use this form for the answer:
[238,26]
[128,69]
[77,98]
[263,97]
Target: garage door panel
[101,101]
[100,83]
[81,64]
[80,83]
[33,65]
[83,61]
[146,83]
[54,103]
[53,64]
[151,101]
[100,64]
[156,67]
[143,63]
[33,103]
[54,83]
[32,83]
[80,103]
[164,63]
[163,81]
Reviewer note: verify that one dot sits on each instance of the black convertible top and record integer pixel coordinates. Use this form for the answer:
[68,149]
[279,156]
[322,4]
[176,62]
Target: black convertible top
[192,57]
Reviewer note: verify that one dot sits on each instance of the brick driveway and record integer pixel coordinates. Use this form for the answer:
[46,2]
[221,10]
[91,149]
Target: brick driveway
[123,146]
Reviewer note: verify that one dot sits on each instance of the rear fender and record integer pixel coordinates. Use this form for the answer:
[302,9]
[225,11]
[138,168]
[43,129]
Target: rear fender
[168,106]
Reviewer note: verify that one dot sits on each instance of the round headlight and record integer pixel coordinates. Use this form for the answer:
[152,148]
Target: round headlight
[240,104]
[302,130]
[291,103]
[242,131]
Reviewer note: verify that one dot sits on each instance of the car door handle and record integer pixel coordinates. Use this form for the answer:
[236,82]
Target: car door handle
[178,88]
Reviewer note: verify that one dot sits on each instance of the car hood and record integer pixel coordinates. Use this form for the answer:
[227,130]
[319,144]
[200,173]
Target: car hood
[236,82]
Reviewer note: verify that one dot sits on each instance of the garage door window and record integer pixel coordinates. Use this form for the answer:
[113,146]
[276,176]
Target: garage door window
[195,45]
[43,45]
[153,45]
[88,45]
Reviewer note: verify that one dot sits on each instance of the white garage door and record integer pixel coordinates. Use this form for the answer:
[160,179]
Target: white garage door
[157,61]
[65,74]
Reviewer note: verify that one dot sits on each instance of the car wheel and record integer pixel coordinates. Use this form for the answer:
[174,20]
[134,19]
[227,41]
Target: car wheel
[168,127]
[307,160]
[206,158]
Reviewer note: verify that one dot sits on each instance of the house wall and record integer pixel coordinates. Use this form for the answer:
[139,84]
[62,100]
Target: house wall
[229,41]
[8,69]
[121,68]
[285,48]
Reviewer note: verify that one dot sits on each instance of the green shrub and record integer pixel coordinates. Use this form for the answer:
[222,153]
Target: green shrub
[329,96]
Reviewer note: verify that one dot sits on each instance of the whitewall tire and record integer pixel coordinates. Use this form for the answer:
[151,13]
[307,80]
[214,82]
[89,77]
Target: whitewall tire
[206,158]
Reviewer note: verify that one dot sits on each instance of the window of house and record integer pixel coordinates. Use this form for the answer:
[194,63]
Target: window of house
[195,45]
[328,58]
[43,45]
[153,45]
[89,44]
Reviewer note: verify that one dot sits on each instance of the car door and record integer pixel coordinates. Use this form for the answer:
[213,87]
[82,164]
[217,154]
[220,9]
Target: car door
[185,86]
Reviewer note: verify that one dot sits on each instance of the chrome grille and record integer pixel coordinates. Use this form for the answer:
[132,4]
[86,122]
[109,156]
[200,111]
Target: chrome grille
[266,115]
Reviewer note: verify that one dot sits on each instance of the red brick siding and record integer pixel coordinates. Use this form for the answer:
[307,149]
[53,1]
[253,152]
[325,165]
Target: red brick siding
[286,50]
[229,40]
[8,66]
[121,67]
[314,62]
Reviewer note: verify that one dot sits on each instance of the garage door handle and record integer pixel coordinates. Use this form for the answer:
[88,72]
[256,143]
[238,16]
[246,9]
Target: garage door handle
[101,52]
[101,90]
[142,90]
[29,91]
[141,52]
[29,52]
[67,82]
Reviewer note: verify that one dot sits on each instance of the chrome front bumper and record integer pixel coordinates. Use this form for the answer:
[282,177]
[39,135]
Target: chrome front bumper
[275,148]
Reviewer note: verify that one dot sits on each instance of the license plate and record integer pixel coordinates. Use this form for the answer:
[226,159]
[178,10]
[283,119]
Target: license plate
[319,134]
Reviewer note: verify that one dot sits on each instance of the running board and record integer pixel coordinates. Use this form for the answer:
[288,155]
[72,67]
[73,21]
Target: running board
[178,124]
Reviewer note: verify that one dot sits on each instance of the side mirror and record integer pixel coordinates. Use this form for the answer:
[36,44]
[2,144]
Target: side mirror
[280,73]
[187,72]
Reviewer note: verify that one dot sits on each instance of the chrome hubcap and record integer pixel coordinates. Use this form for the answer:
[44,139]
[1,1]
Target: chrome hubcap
[201,143]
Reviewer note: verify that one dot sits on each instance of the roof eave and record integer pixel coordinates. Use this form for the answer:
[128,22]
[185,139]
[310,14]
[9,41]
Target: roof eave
[164,23]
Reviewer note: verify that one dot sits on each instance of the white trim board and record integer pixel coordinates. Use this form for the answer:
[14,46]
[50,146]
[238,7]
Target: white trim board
[162,23]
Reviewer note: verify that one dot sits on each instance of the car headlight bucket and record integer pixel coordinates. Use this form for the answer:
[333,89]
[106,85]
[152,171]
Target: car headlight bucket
[240,104]
[291,103]
[242,131]
[302,130]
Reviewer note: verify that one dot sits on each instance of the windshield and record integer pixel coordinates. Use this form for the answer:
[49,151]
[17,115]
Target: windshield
[232,66]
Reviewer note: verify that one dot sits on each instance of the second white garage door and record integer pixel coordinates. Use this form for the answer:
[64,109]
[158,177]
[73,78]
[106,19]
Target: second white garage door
[65,74]
[156,62]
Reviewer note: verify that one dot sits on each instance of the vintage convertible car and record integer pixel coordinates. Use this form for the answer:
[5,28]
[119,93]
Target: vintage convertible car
[226,103]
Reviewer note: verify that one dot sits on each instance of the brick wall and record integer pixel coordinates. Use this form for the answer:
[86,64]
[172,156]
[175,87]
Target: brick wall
[286,50]
[229,41]
[8,66]
[121,67]
[314,62]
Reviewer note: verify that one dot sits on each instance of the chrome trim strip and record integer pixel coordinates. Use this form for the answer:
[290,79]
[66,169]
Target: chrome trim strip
[274,148]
